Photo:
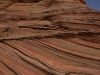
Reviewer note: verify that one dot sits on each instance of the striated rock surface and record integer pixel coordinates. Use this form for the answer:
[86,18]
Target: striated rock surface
[49,37]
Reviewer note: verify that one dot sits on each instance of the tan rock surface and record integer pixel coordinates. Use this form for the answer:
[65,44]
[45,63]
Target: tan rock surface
[49,37]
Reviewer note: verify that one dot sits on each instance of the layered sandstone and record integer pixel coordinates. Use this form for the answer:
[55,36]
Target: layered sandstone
[49,37]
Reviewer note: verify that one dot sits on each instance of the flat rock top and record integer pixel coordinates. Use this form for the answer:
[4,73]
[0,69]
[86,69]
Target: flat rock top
[49,37]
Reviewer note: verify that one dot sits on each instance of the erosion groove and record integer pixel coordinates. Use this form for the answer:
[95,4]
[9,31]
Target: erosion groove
[49,37]
[33,52]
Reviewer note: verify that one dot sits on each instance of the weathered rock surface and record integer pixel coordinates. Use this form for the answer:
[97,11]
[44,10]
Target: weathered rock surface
[49,37]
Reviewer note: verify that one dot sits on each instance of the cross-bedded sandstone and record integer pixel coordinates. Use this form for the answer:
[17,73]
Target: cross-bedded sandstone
[49,37]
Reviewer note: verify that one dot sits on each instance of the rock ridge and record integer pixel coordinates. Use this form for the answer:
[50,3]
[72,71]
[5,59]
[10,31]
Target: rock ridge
[49,37]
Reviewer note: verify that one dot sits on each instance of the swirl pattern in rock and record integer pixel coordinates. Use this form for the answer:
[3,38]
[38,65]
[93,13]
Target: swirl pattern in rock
[49,37]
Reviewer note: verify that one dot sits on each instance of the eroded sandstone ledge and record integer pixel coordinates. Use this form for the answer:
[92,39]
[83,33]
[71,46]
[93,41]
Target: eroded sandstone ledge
[60,37]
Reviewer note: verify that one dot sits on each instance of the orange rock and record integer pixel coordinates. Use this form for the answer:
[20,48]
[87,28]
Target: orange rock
[49,37]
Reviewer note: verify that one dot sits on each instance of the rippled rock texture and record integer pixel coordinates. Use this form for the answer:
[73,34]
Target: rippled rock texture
[49,37]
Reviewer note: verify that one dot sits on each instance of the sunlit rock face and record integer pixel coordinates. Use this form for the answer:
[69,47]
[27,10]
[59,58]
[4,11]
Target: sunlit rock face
[49,37]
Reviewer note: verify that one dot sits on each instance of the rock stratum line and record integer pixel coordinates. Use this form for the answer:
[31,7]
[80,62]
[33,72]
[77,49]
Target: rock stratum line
[42,37]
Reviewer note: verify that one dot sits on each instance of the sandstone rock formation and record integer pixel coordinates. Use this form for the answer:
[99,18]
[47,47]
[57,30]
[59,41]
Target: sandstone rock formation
[56,37]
